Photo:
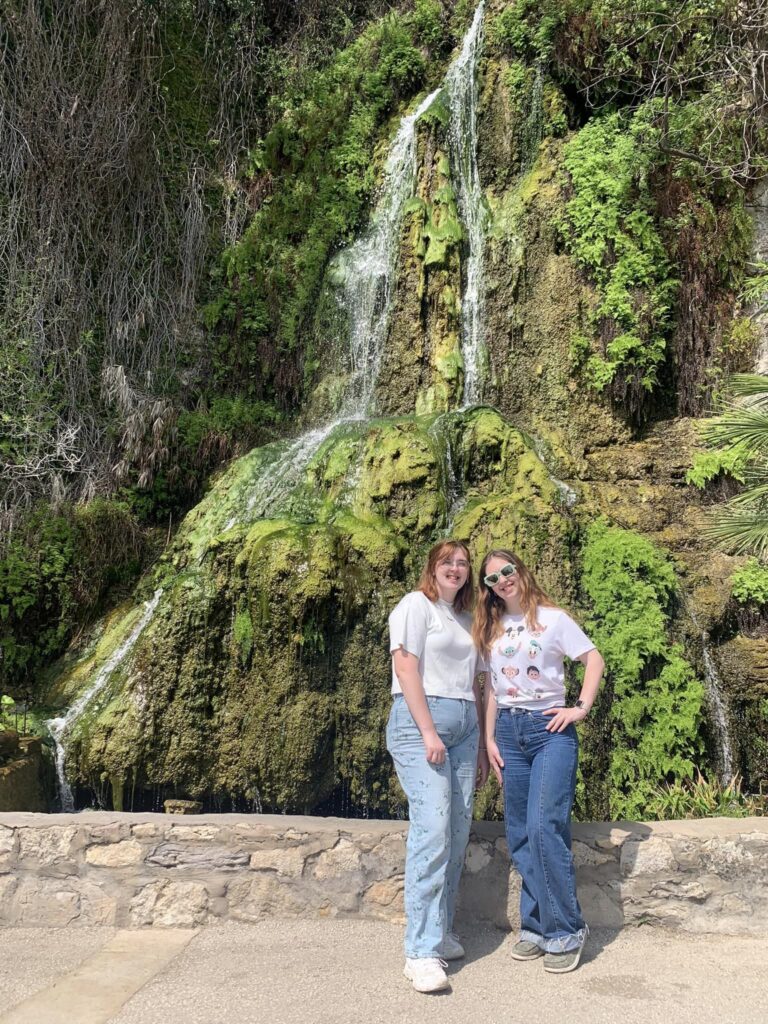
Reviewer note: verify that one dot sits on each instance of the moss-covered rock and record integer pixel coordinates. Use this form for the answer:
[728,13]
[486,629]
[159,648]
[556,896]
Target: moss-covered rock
[422,369]
[263,676]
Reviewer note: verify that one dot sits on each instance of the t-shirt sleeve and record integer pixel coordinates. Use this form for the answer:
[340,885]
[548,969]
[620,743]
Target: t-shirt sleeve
[408,624]
[572,640]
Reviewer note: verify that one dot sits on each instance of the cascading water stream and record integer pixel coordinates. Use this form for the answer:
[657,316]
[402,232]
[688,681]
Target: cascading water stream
[718,711]
[59,727]
[461,94]
[368,270]
[719,714]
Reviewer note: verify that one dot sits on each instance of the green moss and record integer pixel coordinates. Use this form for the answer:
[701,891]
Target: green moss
[242,634]
[609,227]
[399,478]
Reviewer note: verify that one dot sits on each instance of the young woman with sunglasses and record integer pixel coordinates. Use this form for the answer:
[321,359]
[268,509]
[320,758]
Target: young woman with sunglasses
[433,736]
[533,748]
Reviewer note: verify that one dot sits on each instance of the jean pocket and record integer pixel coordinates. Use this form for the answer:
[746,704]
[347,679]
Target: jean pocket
[391,730]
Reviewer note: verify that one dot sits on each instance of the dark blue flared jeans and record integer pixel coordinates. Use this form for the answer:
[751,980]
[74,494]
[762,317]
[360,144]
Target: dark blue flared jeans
[539,784]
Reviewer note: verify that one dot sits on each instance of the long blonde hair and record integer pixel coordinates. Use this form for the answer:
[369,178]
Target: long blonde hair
[427,583]
[490,607]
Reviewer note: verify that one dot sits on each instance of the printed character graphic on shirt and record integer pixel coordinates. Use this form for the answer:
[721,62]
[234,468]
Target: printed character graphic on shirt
[509,650]
[511,671]
[534,649]
[537,630]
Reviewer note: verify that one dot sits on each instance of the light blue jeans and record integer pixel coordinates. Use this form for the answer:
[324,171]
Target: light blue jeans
[440,812]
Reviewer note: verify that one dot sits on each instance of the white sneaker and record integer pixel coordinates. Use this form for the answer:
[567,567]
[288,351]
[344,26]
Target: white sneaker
[426,973]
[451,948]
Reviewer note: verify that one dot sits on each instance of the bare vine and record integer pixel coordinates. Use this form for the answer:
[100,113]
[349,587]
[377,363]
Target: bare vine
[656,57]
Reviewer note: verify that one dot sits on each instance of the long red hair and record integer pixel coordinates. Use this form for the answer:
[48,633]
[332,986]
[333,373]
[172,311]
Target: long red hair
[428,584]
[490,607]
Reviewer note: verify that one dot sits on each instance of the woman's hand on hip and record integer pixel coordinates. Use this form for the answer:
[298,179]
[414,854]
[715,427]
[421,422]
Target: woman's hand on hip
[434,747]
[561,718]
[483,767]
[494,759]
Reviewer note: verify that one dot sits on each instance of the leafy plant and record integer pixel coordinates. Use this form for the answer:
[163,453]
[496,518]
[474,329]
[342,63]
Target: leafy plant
[650,726]
[54,572]
[701,797]
[608,227]
[749,584]
[709,465]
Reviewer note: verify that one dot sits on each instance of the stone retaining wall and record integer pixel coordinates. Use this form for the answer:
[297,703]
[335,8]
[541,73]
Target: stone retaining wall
[135,870]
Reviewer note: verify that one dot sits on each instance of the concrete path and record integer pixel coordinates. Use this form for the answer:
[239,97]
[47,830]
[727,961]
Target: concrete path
[349,972]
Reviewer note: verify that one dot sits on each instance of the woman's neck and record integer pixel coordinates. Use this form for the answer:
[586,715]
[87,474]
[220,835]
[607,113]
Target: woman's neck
[449,597]
[513,606]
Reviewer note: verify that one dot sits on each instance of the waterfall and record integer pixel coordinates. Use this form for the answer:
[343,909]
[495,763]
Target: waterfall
[461,92]
[718,711]
[59,727]
[719,714]
[368,272]
[369,269]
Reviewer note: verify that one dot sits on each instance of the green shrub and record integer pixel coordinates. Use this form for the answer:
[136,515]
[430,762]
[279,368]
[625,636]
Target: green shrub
[749,584]
[55,571]
[650,730]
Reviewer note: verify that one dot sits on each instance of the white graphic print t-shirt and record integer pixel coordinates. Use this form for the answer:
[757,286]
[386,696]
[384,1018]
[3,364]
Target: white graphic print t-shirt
[526,665]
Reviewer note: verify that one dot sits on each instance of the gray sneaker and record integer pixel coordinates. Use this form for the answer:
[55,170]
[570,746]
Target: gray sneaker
[525,950]
[451,948]
[562,963]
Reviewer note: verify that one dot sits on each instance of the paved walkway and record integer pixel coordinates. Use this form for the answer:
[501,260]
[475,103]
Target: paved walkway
[349,972]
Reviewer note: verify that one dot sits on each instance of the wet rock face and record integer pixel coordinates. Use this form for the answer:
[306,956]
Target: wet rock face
[536,304]
[422,369]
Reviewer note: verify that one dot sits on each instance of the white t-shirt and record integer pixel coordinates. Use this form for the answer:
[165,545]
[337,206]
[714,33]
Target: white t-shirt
[442,641]
[526,666]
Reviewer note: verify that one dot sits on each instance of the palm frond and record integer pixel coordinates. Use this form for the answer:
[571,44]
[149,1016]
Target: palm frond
[748,385]
[745,426]
[740,530]
[755,494]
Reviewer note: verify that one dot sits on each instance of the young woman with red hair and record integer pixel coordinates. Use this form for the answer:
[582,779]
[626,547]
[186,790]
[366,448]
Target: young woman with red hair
[523,638]
[433,736]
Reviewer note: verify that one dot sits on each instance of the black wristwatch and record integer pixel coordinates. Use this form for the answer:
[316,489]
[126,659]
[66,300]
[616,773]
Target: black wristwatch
[580,704]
